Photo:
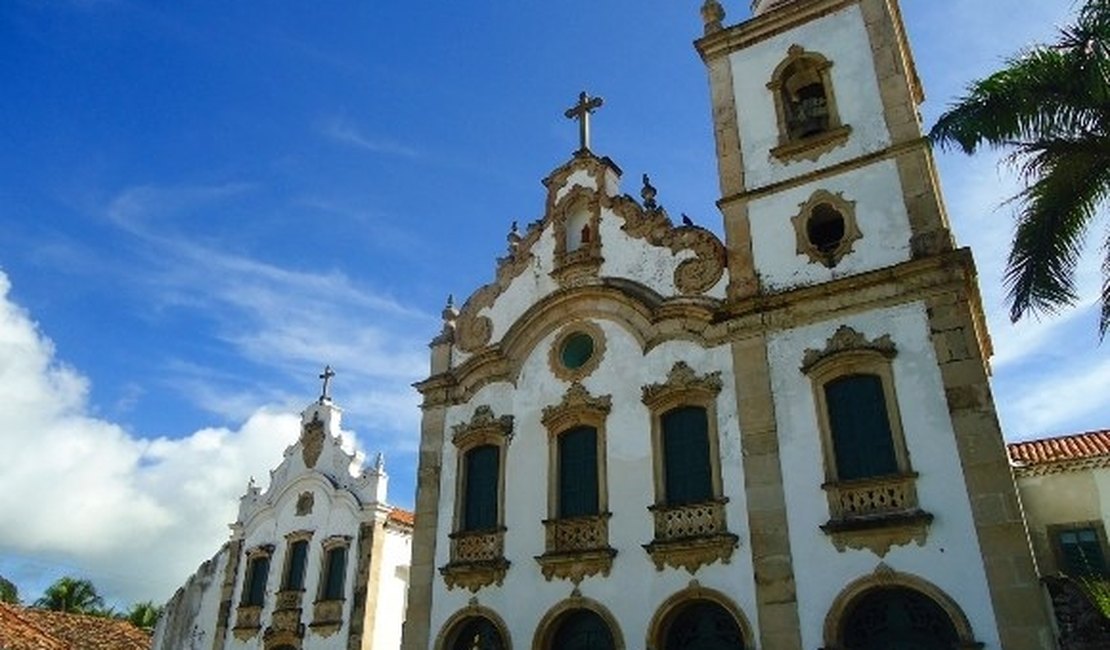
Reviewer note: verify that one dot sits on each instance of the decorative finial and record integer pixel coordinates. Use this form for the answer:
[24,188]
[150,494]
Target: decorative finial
[686,220]
[648,193]
[450,314]
[379,463]
[514,239]
[713,15]
[581,112]
[325,395]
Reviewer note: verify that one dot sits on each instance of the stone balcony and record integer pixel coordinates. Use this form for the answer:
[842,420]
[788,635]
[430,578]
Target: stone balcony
[477,559]
[875,513]
[577,547]
[691,535]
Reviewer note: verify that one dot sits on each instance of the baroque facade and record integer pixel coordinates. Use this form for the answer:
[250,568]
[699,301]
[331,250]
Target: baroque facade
[317,561]
[640,435]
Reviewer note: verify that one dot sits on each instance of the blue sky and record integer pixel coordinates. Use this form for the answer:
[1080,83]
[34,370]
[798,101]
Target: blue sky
[203,203]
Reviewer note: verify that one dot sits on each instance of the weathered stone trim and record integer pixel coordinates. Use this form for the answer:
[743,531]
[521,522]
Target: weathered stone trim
[1016,595]
[577,408]
[665,614]
[554,356]
[374,574]
[760,28]
[362,560]
[847,211]
[772,562]
[1061,466]
[484,428]
[884,576]
[812,147]
[545,630]
[444,640]
[227,590]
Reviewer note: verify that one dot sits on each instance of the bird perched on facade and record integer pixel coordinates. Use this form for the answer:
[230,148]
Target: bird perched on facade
[687,221]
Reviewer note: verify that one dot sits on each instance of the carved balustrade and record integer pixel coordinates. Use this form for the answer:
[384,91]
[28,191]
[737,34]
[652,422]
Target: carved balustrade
[872,497]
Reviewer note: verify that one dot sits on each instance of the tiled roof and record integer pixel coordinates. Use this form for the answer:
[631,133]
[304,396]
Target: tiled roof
[36,629]
[402,516]
[17,632]
[1078,446]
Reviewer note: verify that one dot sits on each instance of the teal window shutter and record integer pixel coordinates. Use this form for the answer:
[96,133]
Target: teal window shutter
[578,485]
[1081,553]
[861,434]
[256,581]
[294,575]
[336,570]
[482,471]
[686,469]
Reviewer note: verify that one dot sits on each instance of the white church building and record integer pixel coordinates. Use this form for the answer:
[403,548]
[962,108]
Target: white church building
[641,436]
[317,561]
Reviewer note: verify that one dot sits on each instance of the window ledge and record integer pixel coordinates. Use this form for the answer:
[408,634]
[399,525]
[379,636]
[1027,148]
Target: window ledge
[576,565]
[248,621]
[289,599]
[812,147]
[327,617]
[879,532]
[474,575]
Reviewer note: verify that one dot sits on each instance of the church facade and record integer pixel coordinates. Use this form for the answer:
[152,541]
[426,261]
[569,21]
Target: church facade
[316,561]
[640,435]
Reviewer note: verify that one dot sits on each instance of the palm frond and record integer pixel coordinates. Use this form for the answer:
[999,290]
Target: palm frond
[1104,316]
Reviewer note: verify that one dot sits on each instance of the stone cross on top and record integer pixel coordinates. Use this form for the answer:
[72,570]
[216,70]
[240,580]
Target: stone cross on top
[326,376]
[581,112]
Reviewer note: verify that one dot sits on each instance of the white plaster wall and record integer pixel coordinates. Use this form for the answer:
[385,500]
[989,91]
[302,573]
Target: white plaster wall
[333,513]
[841,38]
[1062,499]
[634,590]
[950,558]
[880,213]
[392,590]
[190,617]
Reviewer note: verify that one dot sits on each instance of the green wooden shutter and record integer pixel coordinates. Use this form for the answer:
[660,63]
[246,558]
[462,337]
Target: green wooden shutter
[1082,553]
[294,575]
[336,571]
[578,485]
[256,583]
[686,469]
[860,427]
[480,507]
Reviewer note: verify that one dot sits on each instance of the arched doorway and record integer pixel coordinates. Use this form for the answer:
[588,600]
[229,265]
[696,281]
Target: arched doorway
[477,633]
[703,625]
[582,629]
[897,618]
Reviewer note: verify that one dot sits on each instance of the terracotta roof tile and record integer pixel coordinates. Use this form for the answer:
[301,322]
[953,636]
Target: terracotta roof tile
[402,516]
[1078,446]
[17,632]
[24,628]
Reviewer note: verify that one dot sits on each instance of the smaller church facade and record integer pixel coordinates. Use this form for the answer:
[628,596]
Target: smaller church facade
[317,561]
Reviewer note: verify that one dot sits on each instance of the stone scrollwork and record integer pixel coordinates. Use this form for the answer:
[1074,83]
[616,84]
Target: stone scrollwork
[577,406]
[484,426]
[681,380]
[694,275]
[312,442]
[691,536]
[844,340]
[477,560]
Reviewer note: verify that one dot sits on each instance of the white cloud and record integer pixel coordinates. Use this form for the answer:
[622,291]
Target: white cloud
[344,132]
[135,515]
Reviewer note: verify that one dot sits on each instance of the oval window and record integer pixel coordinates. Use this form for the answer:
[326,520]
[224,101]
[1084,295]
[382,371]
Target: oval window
[577,350]
[825,228]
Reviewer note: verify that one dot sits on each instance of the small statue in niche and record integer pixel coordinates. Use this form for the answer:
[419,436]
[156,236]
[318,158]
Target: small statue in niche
[304,504]
[586,234]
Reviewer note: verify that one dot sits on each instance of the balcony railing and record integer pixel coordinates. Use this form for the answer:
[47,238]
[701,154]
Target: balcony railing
[477,559]
[481,546]
[577,533]
[691,535]
[689,520]
[872,497]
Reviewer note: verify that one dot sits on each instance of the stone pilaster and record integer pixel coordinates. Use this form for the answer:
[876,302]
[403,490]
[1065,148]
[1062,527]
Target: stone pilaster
[775,594]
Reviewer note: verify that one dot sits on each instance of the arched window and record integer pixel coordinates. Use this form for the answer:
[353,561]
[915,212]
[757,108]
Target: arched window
[582,629]
[897,617]
[477,633]
[809,123]
[703,625]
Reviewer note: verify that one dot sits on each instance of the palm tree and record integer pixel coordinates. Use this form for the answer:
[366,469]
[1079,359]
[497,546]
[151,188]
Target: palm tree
[9,593]
[144,615]
[72,595]
[1050,108]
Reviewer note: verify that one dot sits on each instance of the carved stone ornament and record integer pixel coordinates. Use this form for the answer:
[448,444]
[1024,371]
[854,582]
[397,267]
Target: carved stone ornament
[312,442]
[691,536]
[681,380]
[694,275]
[880,534]
[555,353]
[477,560]
[483,427]
[327,617]
[248,621]
[826,203]
[576,548]
[576,566]
[845,340]
[573,267]
[304,504]
[577,402]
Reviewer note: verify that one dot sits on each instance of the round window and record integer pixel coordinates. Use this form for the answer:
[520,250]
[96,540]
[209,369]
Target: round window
[577,350]
[825,228]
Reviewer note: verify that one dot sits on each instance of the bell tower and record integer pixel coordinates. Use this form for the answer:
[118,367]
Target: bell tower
[839,250]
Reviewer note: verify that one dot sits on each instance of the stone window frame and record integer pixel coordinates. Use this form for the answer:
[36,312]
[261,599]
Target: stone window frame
[562,559]
[584,262]
[683,387]
[885,577]
[327,614]
[1053,531]
[290,539]
[447,632]
[800,221]
[473,573]
[667,612]
[543,638]
[554,357]
[248,616]
[792,149]
[874,512]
